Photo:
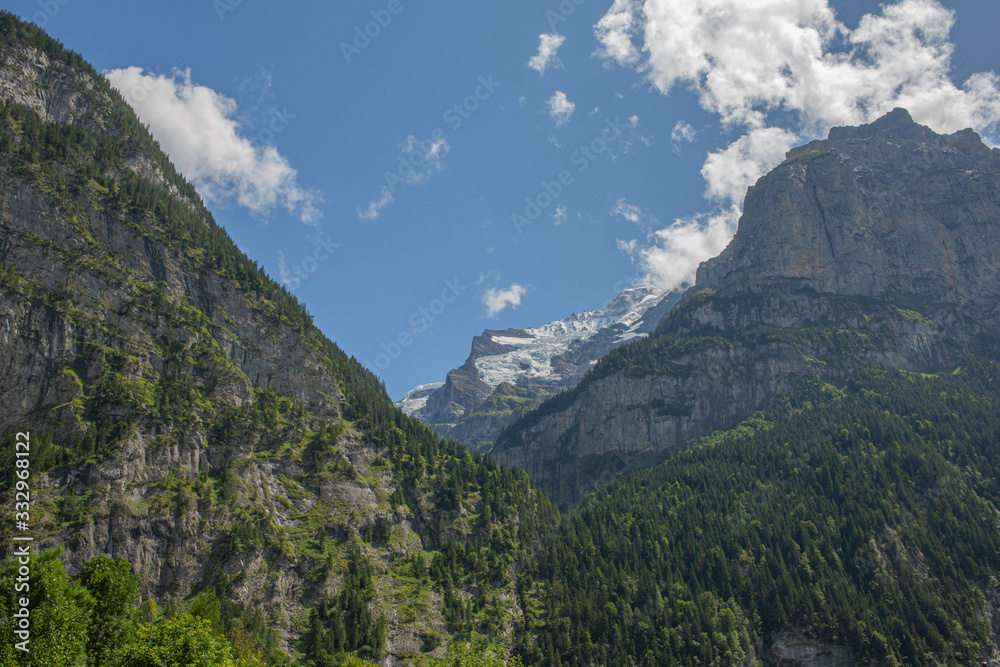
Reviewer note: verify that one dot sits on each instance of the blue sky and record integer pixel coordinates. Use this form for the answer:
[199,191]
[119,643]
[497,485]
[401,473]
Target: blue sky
[465,166]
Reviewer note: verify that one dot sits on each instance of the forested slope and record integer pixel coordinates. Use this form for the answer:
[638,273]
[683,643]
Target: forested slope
[862,518]
[187,417]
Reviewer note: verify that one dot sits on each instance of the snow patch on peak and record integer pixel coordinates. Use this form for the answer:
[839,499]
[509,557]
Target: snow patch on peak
[629,335]
[528,363]
[556,354]
[430,386]
[632,333]
[626,308]
[416,398]
[533,358]
[511,340]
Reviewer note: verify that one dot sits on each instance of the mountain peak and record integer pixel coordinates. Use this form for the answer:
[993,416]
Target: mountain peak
[511,371]
[887,208]
[896,122]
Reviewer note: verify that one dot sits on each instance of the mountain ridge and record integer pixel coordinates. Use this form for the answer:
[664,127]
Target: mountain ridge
[758,318]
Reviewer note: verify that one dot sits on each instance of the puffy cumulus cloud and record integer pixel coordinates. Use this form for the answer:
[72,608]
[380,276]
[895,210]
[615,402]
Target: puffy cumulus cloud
[731,171]
[546,56]
[195,125]
[616,29]
[498,300]
[671,256]
[747,59]
[783,71]
[909,48]
[560,108]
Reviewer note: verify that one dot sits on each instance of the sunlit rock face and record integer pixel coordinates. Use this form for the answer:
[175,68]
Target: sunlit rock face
[879,245]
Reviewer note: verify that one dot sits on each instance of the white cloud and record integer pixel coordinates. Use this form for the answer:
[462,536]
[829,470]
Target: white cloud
[375,206]
[496,301]
[682,132]
[781,72]
[747,59]
[628,247]
[615,30]
[731,171]
[560,108]
[672,256]
[546,56]
[196,127]
[630,212]
[559,215]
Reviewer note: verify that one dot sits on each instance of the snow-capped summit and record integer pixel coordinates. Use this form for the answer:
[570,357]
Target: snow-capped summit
[511,371]
[533,350]
[626,308]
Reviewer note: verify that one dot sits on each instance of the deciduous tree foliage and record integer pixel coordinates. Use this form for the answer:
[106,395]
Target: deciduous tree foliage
[60,613]
[181,640]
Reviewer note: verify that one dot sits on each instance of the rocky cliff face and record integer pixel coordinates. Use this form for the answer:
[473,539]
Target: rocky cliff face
[793,648]
[885,209]
[715,362]
[511,372]
[880,245]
